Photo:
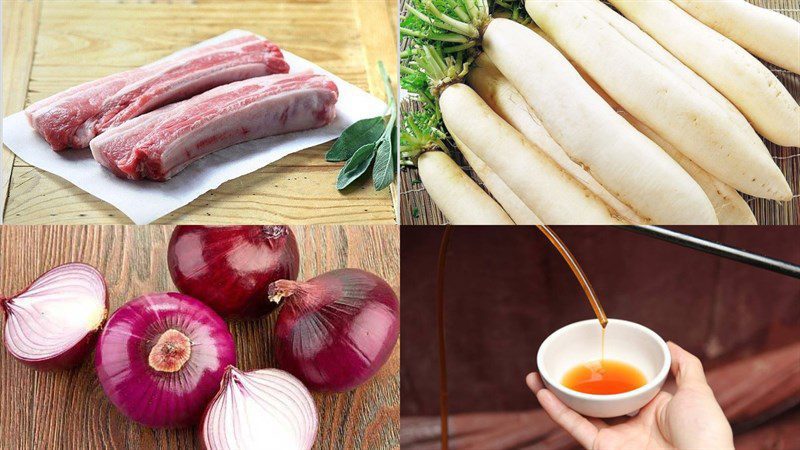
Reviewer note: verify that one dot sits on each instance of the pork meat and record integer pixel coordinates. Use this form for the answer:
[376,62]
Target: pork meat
[72,118]
[161,143]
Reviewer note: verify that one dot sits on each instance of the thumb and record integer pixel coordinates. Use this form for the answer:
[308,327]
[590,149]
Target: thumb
[687,368]
[660,404]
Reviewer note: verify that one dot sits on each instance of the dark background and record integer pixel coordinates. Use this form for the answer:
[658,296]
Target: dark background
[507,289]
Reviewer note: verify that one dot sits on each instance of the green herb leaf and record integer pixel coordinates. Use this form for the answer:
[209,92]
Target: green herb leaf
[369,140]
[357,135]
[395,146]
[383,171]
[356,166]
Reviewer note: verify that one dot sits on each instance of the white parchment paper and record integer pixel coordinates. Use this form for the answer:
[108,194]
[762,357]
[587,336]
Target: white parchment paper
[145,201]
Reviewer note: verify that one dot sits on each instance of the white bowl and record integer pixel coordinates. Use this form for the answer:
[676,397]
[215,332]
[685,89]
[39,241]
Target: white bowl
[628,342]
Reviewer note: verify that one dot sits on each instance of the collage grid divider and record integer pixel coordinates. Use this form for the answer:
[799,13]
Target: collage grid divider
[417,208]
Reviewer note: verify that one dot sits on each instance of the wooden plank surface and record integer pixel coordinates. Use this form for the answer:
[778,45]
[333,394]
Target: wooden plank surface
[20,25]
[62,44]
[417,208]
[68,409]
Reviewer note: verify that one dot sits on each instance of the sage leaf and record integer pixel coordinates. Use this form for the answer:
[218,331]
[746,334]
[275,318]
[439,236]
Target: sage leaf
[356,165]
[383,171]
[357,135]
[395,145]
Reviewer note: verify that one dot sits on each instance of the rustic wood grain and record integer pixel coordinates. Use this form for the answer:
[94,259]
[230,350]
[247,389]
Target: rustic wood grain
[20,24]
[68,409]
[77,41]
[417,208]
[276,193]
[373,17]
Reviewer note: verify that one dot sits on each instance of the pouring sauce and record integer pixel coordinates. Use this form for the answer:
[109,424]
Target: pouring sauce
[603,364]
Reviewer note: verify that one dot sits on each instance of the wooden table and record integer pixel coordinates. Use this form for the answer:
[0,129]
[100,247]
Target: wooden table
[51,45]
[68,409]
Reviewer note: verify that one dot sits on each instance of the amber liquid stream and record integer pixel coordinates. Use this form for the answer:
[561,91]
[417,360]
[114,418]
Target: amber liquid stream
[583,373]
[579,274]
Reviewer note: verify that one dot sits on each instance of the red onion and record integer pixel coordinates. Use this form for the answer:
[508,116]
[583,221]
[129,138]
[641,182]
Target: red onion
[161,358]
[230,268]
[266,408]
[336,330]
[54,322]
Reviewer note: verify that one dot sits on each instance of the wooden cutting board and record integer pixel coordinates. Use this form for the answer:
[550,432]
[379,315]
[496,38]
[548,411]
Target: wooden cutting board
[68,409]
[51,45]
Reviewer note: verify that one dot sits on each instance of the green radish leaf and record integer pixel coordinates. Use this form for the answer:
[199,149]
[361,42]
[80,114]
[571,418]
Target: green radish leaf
[357,135]
[383,171]
[356,166]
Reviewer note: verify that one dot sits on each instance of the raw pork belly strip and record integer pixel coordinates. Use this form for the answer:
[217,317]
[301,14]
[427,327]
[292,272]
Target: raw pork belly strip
[159,144]
[72,118]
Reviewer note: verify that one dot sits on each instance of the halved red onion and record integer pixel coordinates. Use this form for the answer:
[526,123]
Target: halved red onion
[335,331]
[53,323]
[230,268]
[161,357]
[263,409]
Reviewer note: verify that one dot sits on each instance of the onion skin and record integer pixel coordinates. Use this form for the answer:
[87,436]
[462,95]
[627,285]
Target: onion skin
[80,276]
[335,331]
[230,268]
[163,398]
[262,409]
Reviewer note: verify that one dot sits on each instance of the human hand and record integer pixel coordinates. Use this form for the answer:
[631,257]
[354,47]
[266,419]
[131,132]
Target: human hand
[691,419]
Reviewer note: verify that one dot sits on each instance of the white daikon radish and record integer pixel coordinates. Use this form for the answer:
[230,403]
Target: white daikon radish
[511,203]
[628,164]
[767,34]
[654,93]
[459,198]
[729,206]
[724,64]
[648,45]
[507,102]
[554,196]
